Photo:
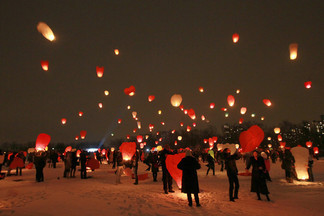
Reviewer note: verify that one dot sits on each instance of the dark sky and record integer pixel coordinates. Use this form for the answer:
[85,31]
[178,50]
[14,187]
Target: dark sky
[166,47]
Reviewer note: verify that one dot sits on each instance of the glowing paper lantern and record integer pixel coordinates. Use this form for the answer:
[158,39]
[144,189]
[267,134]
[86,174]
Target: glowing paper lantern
[173,131]
[293,48]
[139,138]
[119,121]
[83,134]
[188,128]
[100,105]
[276,130]
[309,144]
[151,98]
[269,138]
[171,164]
[46,31]
[130,91]
[80,114]
[235,37]
[301,155]
[201,89]
[205,141]
[42,141]
[78,153]
[237,146]
[68,149]
[181,124]
[203,118]
[194,124]
[267,102]
[139,125]
[185,111]
[44,65]
[226,115]
[63,120]
[106,92]
[211,105]
[243,110]
[238,91]
[127,137]
[269,146]
[251,138]
[76,138]
[159,112]
[308,84]
[100,71]
[93,164]
[181,107]
[215,138]
[282,144]
[230,100]
[128,107]
[156,142]
[279,138]
[134,114]
[253,115]
[141,145]
[224,109]
[179,138]
[211,142]
[315,149]
[176,100]
[262,118]
[241,120]
[191,114]
[151,126]
[176,142]
[116,51]
[134,131]
[162,123]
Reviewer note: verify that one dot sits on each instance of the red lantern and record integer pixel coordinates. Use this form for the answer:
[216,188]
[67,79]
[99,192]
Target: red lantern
[251,138]
[308,84]
[191,114]
[83,134]
[235,37]
[282,144]
[78,153]
[309,144]
[224,109]
[267,102]
[181,107]
[68,149]
[80,114]
[44,65]
[76,138]
[241,120]
[279,138]
[100,71]
[211,105]
[315,149]
[173,131]
[176,142]
[151,98]
[130,91]
[171,164]
[128,136]
[203,118]
[205,141]
[42,141]
[188,128]
[141,145]
[181,124]
[119,121]
[230,100]
[156,142]
[139,138]
[194,124]
[201,89]
[151,126]
[215,139]
[243,110]
[63,120]
[162,123]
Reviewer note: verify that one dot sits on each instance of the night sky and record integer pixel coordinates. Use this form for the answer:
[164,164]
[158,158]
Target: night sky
[166,47]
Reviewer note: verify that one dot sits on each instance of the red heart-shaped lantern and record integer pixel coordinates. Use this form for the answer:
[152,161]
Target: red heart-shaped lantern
[251,138]
[171,164]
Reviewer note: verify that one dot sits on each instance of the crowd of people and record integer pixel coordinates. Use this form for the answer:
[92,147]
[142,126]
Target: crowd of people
[259,161]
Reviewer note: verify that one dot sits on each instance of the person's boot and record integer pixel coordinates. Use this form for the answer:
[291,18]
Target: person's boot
[267,197]
[258,194]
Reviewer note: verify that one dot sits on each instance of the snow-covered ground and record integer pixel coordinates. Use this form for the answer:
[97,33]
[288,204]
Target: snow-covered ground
[99,195]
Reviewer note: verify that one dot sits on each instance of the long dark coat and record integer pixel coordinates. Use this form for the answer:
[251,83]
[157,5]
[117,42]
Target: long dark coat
[258,181]
[189,165]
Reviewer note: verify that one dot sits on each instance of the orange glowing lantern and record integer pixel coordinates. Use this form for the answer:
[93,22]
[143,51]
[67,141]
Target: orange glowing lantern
[106,92]
[243,110]
[100,71]
[188,128]
[46,31]
[194,124]
[293,48]
[171,164]
[42,141]
[205,141]
[100,105]
[176,142]
[203,118]
[262,118]
[139,138]
[185,111]
[63,120]
[162,123]
[235,37]
[212,105]
[173,131]
[134,114]
[279,138]
[127,149]
[116,51]
[139,125]
[315,149]
[76,138]
[191,114]
[230,100]
[128,107]
[215,138]
[151,98]
[309,144]
[151,126]
[238,91]
[241,120]
[83,134]
[119,121]
[78,153]
[134,131]
[179,138]
[44,65]
[159,112]
[181,124]
[80,114]
[156,142]
[201,89]
[276,130]
[224,109]
[176,100]
[68,149]
[181,107]
[130,91]
[308,84]
[141,145]
[282,144]
[267,102]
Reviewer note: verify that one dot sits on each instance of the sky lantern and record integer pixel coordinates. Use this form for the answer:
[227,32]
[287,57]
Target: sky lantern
[212,105]
[68,149]
[106,92]
[237,146]
[241,120]
[83,134]
[119,121]
[205,141]
[156,142]
[80,114]
[215,138]
[203,118]
[151,98]
[78,153]
[139,125]
[188,128]
[191,114]
[173,131]
[116,51]
[134,114]
[181,107]
[160,112]
[42,141]
[176,142]
[139,138]
[176,100]
[76,138]
[151,126]
[282,144]
[181,124]
[262,118]
[44,65]
[224,109]
[171,164]
[211,142]
[194,124]
[301,156]
[269,146]
[253,115]
[160,140]
[243,110]
[279,138]
[251,138]
[179,138]
[235,38]
[46,31]
[63,120]
[269,138]
[230,100]
[309,144]
[315,149]
[226,115]
[238,91]
[162,123]
[100,71]
[201,89]
[134,130]
[157,133]
[293,48]
[128,107]
[185,111]
[130,91]
[141,145]
[308,84]
[276,130]
[100,105]
[267,102]
[127,149]
[127,137]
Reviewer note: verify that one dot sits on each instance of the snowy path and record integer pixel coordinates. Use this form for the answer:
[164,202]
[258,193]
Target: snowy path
[98,195]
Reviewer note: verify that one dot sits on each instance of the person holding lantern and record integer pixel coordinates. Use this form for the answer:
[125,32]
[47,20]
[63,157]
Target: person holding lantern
[166,177]
[230,166]
[258,180]
[135,160]
[40,163]
[120,166]
[155,165]
[83,161]
[288,163]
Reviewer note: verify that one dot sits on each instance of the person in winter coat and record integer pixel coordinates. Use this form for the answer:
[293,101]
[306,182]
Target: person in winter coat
[120,166]
[135,160]
[54,157]
[189,166]
[231,169]
[40,163]
[211,164]
[2,157]
[288,164]
[83,162]
[67,164]
[310,165]
[166,177]
[74,163]
[258,180]
[23,158]
[155,165]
